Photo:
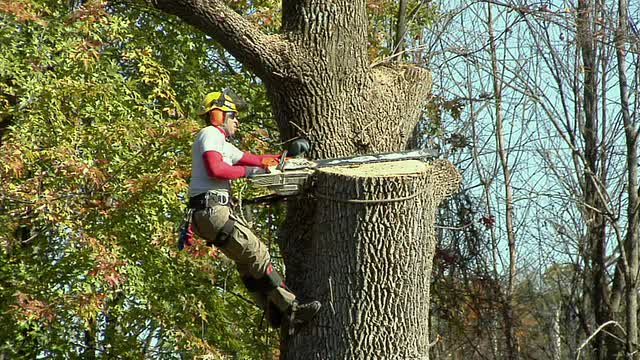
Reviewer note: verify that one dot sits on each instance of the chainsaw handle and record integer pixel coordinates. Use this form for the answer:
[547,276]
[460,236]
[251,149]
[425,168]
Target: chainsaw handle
[283,158]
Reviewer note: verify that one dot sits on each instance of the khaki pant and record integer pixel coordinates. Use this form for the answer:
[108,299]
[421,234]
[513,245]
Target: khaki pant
[250,255]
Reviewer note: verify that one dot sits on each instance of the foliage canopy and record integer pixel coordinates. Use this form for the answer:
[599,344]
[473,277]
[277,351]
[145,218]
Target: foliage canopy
[97,105]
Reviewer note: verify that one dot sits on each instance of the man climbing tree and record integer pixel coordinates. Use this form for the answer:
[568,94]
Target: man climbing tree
[363,245]
[215,162]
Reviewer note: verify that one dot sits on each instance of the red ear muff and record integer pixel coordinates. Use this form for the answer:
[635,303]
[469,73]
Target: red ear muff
[217,117]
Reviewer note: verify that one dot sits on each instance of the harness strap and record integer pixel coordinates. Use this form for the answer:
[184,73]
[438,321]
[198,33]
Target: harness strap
[271,280]
[224,235]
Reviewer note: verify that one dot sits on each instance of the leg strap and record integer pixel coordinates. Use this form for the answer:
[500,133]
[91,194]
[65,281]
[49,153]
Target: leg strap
[268,282]
[273,314]
[224,235]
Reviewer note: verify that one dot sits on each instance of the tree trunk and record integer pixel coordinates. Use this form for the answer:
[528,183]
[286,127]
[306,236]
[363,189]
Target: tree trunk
[555,343]
[373,244]
[90,340]
[401,29]
[321,86]
[508,303]
[594,210]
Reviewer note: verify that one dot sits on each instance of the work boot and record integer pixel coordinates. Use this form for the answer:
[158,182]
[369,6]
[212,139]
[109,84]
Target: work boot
[301,314]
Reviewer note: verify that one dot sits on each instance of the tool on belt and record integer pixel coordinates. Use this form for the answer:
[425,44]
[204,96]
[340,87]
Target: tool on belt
[186,233]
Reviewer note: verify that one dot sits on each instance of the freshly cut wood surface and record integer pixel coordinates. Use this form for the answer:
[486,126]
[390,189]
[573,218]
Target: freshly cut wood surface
[383,169]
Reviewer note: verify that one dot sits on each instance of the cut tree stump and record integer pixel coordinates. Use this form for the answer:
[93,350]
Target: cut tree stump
[373,245]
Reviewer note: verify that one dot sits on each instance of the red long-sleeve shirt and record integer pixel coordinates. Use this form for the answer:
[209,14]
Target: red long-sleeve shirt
[217,168]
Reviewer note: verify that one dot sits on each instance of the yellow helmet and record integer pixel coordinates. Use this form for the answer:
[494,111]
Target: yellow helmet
[218,100]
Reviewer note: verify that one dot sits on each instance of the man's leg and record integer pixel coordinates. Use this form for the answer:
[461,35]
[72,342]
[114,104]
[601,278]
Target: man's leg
[253,261]
[261,275]
[272,313]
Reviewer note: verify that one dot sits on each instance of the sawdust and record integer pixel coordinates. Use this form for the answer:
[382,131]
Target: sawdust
[382,169]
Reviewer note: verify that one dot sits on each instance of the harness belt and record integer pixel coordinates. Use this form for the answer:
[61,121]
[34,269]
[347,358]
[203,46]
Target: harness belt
[271,280]
[209,199]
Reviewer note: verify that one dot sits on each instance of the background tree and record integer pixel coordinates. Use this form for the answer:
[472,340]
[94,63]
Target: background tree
[565,98]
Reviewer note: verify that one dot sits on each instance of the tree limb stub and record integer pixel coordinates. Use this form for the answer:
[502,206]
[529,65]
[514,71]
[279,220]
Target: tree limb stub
[397,95]
[262,53]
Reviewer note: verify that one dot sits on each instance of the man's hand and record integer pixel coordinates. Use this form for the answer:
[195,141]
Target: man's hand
[269,162]
[254,170]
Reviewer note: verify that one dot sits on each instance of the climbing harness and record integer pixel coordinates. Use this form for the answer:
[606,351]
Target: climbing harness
[202,201]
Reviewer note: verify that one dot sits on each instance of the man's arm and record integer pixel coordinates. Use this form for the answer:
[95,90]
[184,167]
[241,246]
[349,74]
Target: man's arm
[217,168]
[213,143]
[264,161]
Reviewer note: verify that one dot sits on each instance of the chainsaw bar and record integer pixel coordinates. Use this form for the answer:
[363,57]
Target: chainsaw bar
[427,155]
[290,177]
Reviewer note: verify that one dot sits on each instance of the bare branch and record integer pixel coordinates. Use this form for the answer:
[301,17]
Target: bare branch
[600,328]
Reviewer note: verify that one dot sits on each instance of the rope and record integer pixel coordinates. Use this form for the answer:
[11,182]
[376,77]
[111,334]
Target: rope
[370,201]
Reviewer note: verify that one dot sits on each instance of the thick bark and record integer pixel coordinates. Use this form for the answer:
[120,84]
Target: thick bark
[334,93]
[373,244]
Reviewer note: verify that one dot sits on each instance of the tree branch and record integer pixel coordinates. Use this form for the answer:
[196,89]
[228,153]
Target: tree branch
[262,53]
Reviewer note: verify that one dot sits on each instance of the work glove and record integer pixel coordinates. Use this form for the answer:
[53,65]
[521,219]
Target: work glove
[269,162]
[299,147]
[253,170]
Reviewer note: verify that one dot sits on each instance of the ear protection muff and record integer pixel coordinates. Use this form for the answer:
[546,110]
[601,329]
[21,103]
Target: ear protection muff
[216,117]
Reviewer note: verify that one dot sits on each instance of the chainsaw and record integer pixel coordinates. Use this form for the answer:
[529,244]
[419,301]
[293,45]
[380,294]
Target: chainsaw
[292,174]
